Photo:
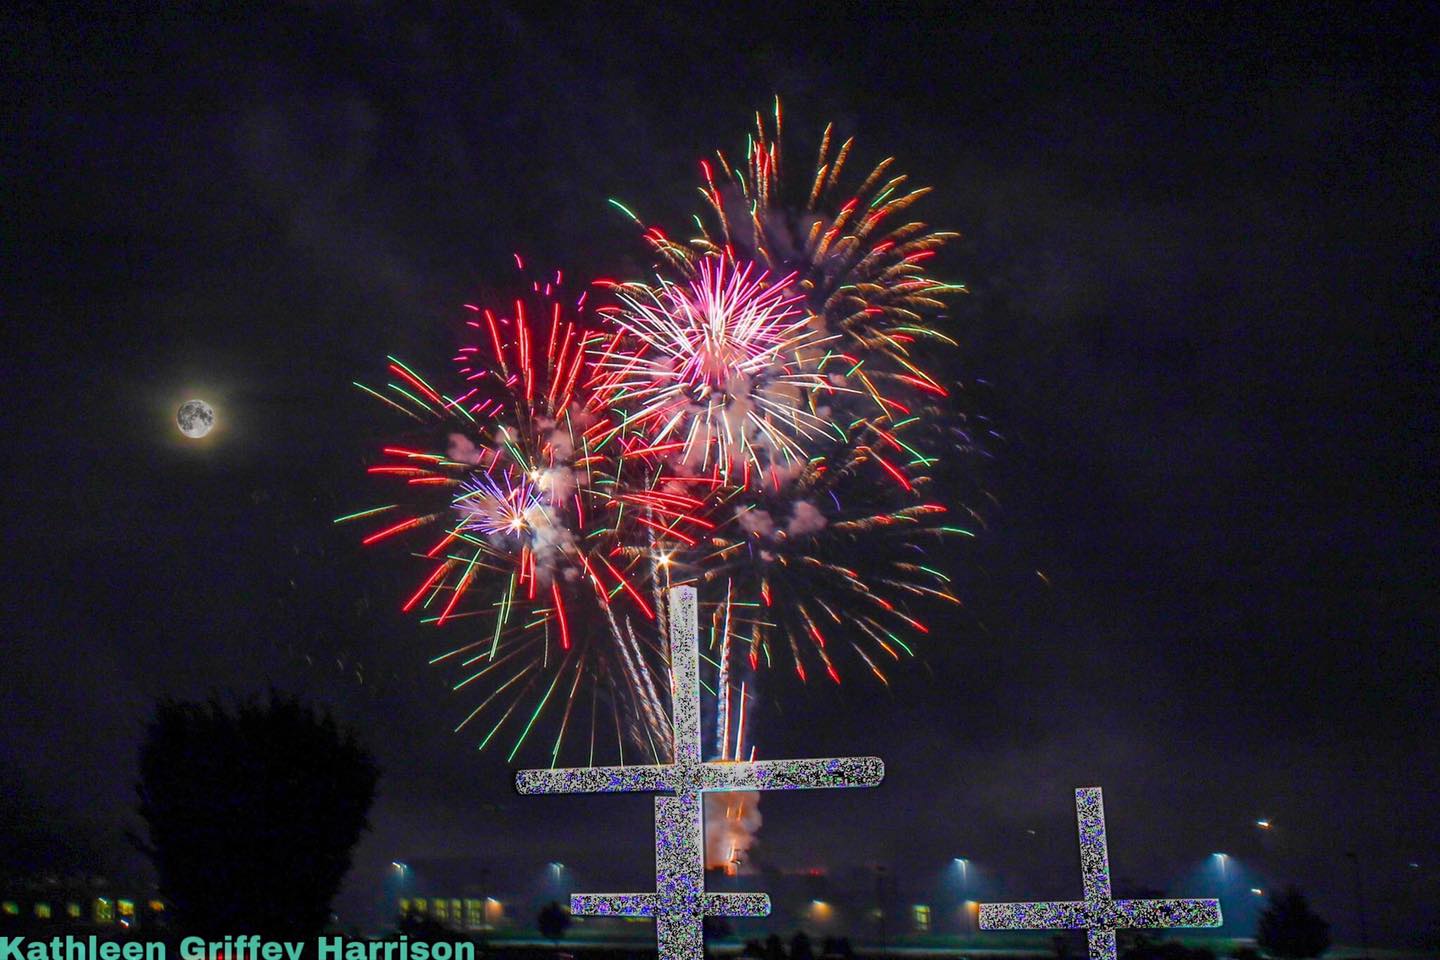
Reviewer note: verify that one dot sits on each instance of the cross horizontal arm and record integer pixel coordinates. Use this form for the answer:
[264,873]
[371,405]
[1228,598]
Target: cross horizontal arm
[792,774]
[637,779]
[1083,914]
[1166,913]
[614,904]
[737,905]
[648,904]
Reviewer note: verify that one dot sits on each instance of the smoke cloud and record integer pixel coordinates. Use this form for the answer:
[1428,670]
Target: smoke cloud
[805,518]
[731,822]
[757,522]
[463,450]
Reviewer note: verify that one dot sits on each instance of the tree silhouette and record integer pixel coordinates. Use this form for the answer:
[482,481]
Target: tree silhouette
[552,922]
[1290,929]
[252,813]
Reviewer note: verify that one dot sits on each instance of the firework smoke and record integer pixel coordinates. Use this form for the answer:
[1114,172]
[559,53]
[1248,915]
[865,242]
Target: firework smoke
[732,821]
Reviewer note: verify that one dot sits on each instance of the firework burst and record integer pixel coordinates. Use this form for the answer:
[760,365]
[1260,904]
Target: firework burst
[533,540]
[832,561]
[755,419]
[851,256]
[833,552]
[721,371]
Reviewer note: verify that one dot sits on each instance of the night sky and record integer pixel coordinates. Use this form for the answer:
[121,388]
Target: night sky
[1201,256]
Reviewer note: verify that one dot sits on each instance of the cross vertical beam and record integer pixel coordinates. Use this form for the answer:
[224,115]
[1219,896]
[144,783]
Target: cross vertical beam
[685,675]
[1094,865]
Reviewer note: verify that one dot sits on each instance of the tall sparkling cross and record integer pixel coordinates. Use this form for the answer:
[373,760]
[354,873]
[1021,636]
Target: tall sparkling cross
[680,903]
[1097,914]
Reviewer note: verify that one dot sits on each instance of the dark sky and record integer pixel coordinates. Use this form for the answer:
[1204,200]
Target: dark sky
[1201,250]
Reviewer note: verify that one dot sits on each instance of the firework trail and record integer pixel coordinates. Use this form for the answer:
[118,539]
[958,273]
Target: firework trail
[832,561]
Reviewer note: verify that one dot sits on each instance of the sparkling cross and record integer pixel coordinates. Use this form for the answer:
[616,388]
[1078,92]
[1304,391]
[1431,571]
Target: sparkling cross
[1097,914]
[680,903]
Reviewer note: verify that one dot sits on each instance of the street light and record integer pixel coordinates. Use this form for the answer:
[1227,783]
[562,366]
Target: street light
[964,864]
[1223,858]
[400,870]
[1263,824]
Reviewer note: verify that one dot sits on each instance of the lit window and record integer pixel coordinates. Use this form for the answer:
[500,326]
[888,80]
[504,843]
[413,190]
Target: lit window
[72,910]
[157,906]
[104,911]
[404,905]
[418,905]
[474,916]
[10,908]
[455,910]
[922,918]
[438,910]
[42,910]
[127,907]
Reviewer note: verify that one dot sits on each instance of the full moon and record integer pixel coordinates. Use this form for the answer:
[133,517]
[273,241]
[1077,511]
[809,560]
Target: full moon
[196,418]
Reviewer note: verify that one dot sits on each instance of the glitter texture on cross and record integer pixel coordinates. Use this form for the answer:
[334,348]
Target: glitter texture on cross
[680,903]
[1098,914]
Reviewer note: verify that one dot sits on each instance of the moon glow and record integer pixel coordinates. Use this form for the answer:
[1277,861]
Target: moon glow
[195,418]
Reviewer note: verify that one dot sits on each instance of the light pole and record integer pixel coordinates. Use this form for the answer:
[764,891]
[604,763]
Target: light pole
[1224,859]
[964,865]
[400,870]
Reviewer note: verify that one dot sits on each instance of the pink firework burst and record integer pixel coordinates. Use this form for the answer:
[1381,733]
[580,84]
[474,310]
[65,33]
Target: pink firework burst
[719,372]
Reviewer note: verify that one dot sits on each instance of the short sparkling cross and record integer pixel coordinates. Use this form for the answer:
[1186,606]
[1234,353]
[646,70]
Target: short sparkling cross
[680,903]
[1097,914]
